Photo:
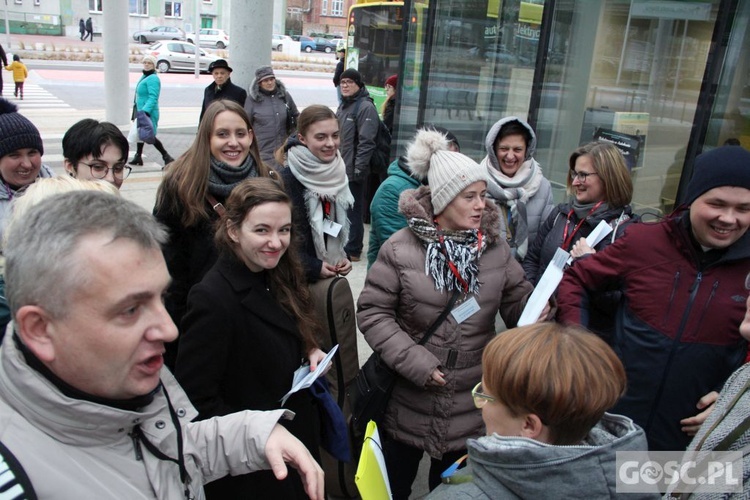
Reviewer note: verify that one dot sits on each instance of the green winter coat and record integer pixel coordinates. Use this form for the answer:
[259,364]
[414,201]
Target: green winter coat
[147,92]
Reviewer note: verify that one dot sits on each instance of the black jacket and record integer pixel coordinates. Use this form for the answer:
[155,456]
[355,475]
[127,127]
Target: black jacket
[357,133]
[238,351]
[228,91]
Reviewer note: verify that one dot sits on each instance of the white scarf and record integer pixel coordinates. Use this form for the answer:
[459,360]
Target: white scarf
[323,181]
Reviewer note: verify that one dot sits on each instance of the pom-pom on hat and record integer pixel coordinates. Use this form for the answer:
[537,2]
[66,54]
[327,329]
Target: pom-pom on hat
[353,75]
[263,73]
[16,131]
[724,166]
[447,173]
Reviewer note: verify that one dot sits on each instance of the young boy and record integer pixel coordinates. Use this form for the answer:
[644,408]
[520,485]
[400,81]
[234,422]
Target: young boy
[19,74]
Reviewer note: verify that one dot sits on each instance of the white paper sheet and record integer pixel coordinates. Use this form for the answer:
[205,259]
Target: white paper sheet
[304,378]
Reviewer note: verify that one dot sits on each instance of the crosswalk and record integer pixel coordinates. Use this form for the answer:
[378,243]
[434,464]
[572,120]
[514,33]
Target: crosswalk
[34,97]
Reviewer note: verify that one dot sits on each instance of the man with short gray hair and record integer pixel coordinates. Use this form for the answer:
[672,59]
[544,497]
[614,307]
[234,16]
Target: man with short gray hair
[86,406]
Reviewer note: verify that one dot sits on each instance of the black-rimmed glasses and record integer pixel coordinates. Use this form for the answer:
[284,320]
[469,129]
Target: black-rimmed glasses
[99,170]
[581,176]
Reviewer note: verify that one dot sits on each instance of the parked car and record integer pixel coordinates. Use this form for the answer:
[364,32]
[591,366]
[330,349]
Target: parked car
[277,41]
[307,44]
[326,45]
[179,56]
[210,37]
[158,33]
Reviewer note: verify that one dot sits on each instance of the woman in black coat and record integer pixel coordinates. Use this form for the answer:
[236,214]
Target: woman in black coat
[249,325]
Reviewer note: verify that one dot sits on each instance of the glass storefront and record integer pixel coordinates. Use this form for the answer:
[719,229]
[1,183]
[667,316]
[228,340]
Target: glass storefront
[662,79]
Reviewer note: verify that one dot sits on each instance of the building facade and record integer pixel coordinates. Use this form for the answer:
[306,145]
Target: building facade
[318,16]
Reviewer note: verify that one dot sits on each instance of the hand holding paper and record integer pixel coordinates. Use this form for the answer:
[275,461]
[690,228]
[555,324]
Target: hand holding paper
[304,378]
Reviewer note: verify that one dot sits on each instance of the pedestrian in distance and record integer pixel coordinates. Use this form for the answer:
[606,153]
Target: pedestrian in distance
[272,112]
[451,253]
[517,184]
[147,92]
[20,73]
[222,86]
[89,30]
[388,109]
[90,328]
[82,28]
[358,122]
[682,281]
[341,56]
[193,191]
[4,60]
[249,322]
[95,150]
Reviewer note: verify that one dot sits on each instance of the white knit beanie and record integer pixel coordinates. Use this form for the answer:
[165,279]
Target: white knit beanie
[448,173]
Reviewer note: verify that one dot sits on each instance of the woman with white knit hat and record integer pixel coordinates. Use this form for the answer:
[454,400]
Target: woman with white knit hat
[451,248]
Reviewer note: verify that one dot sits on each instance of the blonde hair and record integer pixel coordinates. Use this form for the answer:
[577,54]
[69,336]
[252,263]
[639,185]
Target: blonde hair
[50,186]
[563,374]
[611,168]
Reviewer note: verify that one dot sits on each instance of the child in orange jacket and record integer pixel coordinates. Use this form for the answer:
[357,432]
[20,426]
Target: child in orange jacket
[19,74]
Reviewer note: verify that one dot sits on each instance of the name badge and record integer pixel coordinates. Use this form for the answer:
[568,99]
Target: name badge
[331,228]
[465,310]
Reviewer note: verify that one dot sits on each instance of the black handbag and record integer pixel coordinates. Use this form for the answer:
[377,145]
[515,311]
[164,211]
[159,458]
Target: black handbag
[372,387]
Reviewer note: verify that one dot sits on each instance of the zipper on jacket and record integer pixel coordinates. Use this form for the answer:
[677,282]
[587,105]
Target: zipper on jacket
[705,306]
[136,443]
[675,343]
[675,282]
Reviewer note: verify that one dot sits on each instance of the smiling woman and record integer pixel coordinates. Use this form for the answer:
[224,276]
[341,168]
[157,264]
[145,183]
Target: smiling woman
[223,154]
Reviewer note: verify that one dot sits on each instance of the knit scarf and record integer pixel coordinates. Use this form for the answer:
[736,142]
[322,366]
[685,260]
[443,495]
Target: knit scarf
[461,248]
[583,210]
[323,181]
[514,192]
[222,178]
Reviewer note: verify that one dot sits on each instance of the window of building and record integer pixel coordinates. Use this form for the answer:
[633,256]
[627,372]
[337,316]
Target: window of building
[95,5]
[337,8]
[173,9]
[138,7]
[324,8]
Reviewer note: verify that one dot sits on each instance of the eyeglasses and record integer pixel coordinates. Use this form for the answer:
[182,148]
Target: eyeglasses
[581,176]
[480,398]
[747,282]
[346,82]
[99,170]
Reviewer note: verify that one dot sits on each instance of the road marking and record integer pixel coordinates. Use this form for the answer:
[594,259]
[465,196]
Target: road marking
[34,96]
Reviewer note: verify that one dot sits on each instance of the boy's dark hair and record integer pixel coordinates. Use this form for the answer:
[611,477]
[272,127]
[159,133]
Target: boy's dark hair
[89,136]
[16,57]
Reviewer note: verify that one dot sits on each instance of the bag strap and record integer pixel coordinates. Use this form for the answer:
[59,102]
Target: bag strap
[215,204]
[441,318]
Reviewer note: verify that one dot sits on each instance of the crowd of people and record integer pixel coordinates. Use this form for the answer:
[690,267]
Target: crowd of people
[629,354]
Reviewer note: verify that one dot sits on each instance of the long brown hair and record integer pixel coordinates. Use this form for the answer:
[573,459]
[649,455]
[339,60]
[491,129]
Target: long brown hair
[311,114]
[186,179]
[287,279]
[610,166]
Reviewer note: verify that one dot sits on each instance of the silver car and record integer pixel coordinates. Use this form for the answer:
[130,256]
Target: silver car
[179,56]
[158,33]
[210,37]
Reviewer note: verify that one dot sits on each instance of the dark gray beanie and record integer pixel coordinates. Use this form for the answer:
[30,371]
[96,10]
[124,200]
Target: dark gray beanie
[16,131]
[353,75]
[724,166]
[264,72]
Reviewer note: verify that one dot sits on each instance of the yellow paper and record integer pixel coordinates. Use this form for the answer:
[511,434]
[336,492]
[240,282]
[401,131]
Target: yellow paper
[372,477]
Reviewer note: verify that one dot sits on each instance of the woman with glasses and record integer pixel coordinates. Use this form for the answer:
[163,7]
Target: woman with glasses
[543,395]
[601,189]
[517,184]
[190,198]
[96,150]
[449,259]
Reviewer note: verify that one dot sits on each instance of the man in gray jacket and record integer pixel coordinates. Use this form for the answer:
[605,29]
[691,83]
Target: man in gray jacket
[86,406]
[358,127]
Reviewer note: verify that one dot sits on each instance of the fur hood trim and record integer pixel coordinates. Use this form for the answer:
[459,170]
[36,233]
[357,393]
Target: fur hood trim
[417,203]
[255,94]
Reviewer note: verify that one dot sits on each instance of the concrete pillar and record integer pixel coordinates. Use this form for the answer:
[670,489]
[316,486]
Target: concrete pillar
[251,27]
[118,100]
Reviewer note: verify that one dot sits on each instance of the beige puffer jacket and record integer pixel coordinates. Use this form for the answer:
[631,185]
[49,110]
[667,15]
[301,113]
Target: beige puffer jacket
[73,449]
[397,306]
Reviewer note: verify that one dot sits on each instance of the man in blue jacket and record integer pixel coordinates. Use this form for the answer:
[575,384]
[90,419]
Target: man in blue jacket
[683,299]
